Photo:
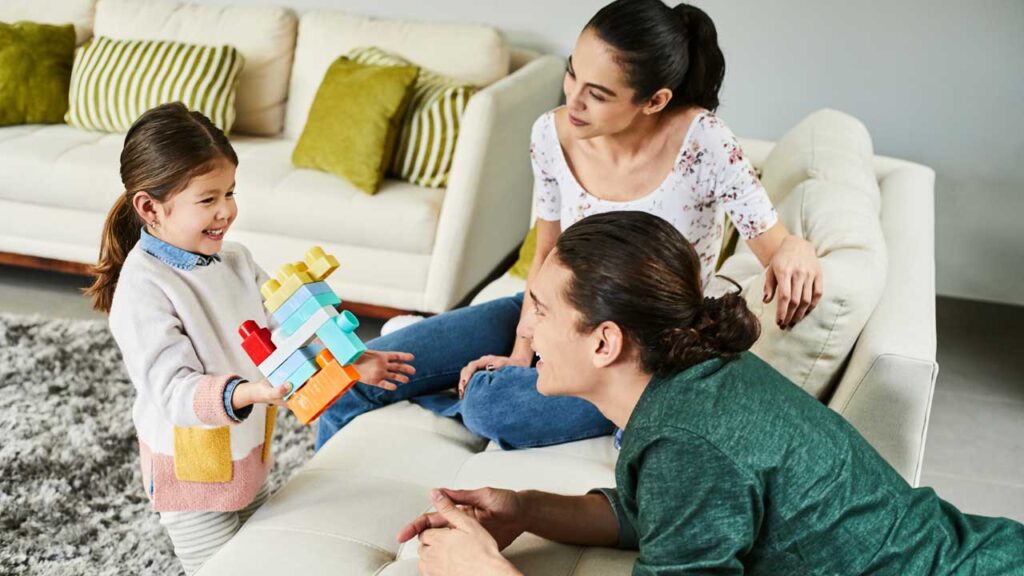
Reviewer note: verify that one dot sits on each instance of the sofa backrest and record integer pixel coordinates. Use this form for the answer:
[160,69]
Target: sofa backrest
[469,53]
[77,12]
[265,35]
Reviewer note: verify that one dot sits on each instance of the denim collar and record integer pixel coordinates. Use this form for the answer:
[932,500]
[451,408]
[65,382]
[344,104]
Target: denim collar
[172,255]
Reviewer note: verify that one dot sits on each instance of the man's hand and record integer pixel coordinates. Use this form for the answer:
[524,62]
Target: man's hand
[461,546]
[379,369]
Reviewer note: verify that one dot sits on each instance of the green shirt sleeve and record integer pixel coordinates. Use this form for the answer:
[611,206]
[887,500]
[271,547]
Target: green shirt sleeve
[627,535]
[697,512]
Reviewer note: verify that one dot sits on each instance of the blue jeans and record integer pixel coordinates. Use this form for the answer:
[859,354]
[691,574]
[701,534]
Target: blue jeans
[503,405]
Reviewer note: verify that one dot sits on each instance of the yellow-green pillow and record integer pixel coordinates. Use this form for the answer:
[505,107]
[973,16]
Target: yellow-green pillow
[352,126]
[430,126]
[521,269]
[35,71]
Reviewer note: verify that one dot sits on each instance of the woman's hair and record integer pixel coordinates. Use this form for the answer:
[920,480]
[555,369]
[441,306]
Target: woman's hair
[662,47]
[164,149]
[636,270]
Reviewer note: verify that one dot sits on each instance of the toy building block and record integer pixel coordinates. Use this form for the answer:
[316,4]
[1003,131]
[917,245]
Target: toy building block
[304,293]
[277,290]
[320,264]
[322,389]
[338,336]
[256,341]
[302,356]
[296,320]
[288,344]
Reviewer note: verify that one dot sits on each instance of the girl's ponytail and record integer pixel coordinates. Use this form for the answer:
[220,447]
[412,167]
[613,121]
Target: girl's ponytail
[120,233]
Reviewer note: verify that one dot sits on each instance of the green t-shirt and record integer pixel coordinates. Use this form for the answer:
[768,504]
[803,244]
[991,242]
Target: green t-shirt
[730,468]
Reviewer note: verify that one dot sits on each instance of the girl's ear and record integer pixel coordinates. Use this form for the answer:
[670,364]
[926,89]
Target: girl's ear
[147,208]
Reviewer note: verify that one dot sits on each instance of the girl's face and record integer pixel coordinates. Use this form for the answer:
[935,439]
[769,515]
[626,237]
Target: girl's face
[597,97]
[197,218]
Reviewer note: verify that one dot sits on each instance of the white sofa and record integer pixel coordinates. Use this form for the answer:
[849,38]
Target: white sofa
[406,248]
[340,513]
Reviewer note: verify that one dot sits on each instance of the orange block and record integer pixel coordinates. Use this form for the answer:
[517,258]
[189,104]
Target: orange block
[323,388]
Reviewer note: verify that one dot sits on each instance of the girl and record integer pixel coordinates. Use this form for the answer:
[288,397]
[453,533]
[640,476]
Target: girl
[176,293]
[637,133]
[726,466]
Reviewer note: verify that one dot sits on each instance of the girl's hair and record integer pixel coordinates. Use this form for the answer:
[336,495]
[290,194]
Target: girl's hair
[662,47]
[164,149]
[636,270]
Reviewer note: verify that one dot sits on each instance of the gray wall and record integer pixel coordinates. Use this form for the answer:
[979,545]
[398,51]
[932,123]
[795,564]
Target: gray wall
[939,82]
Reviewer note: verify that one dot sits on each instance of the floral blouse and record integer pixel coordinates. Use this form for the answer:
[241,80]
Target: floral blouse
[710,178]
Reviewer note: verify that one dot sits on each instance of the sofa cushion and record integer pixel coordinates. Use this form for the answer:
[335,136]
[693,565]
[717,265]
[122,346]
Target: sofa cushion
[355,120]
[60,166]
[115,81]
[472,54]
[35,68]
[835,207]
[77,12]
[265,36]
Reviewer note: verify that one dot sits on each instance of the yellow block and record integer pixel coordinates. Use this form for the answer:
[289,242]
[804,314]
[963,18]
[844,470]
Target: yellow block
[276,291]
[320,263]
[202,454]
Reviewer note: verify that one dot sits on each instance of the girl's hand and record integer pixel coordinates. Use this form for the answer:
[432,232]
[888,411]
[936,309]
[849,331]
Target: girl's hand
[462,547]
[377,368]
[794,273]
[488,363]
[262,392]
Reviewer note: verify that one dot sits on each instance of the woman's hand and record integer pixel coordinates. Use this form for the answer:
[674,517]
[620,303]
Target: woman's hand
[501,512]
[460,545]
[489,363]
[377,368]
[262,392]
[794,274]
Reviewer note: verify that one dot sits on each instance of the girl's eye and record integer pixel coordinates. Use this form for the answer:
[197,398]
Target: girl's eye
[230,194]
[206,201]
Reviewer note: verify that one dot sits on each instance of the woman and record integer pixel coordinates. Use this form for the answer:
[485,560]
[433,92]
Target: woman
[726,466]
[637,133]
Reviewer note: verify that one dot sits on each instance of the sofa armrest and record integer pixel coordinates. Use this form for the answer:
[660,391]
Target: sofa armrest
[487,204]
[886,389]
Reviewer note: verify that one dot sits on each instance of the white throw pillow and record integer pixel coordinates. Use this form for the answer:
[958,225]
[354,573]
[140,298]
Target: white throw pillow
[834,205]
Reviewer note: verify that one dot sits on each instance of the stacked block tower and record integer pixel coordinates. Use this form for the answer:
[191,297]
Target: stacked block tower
[315,345]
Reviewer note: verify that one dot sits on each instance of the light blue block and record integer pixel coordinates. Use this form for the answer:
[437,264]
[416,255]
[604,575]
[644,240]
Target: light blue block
[297,359]
[301,376]
[338,335]
[318,301]
[293,303]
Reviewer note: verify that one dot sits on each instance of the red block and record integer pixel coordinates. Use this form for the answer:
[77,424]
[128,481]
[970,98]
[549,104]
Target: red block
[256,341]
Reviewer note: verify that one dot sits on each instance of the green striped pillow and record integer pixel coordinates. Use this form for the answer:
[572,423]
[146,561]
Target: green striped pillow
[426,144]
[114,81]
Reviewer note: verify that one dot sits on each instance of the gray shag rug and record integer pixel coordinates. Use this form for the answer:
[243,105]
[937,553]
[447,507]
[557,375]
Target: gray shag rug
[71,497]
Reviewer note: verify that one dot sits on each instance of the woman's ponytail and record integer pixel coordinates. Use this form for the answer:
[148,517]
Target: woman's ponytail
[120,233]
[706,69]
[661,47]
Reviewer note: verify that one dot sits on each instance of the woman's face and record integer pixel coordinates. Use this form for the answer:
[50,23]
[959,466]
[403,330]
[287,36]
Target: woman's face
[566,366]
[597,97]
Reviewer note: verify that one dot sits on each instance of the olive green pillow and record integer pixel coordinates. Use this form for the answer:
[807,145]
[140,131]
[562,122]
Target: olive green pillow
[353,123]
[521,269]
[35,71]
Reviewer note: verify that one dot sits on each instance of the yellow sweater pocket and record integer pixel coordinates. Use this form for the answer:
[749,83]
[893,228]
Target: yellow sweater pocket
[202,454]
[268,432]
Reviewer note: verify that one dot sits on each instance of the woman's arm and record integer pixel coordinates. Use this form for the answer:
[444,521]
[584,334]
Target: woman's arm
[522,354]
[792,271]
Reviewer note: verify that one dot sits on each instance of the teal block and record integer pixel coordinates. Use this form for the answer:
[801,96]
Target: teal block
[314,303]
[338,335]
